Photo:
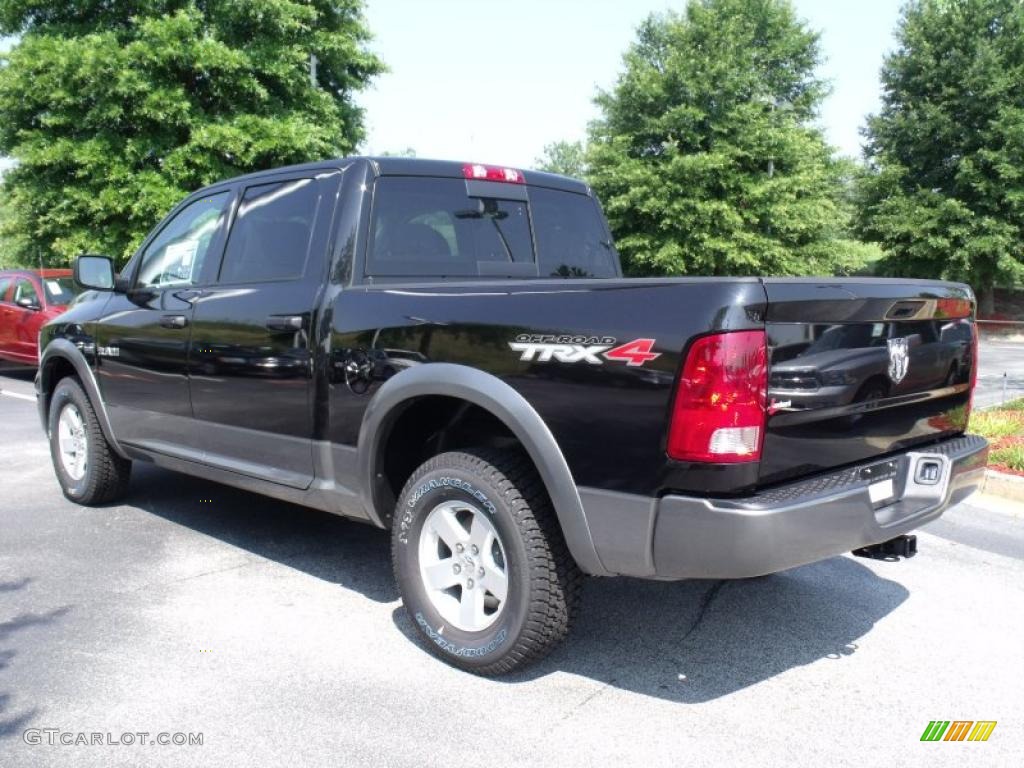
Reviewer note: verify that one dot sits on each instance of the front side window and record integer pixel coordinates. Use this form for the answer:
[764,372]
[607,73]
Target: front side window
[5,283]
[25,291]
[270,237]
[176,255]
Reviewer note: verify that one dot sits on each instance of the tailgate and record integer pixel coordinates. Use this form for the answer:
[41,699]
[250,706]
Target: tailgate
[863,368]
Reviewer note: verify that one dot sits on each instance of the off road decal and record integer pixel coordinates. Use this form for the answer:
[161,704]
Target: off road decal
[583,349]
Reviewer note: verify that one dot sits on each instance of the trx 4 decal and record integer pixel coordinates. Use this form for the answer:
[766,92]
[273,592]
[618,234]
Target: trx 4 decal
[579,349]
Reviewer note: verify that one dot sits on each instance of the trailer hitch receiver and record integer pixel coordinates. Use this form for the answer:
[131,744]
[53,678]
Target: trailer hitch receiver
[902,546]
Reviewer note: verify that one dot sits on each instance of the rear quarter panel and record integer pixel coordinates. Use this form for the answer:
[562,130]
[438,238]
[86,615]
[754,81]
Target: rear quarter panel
[609,419]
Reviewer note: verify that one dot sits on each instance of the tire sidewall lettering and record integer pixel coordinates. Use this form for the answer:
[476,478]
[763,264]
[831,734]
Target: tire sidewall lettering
[443,484]
[463,651]
[446,481]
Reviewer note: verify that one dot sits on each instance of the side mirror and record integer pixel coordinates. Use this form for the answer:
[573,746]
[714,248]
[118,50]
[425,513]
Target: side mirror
[27,302]
[94,272]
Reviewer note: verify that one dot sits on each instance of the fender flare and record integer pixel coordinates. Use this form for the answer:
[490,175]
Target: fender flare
[64,350]
[511,408]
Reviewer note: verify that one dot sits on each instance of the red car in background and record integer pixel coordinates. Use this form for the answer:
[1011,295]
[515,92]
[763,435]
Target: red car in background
[28,299]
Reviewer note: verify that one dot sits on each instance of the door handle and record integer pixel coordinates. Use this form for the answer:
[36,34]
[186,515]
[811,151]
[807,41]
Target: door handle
[286,323]
[174,321]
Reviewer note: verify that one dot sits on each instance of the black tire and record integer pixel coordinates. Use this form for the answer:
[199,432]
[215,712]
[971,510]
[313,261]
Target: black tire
[105,476]
[544,583]
[872,390]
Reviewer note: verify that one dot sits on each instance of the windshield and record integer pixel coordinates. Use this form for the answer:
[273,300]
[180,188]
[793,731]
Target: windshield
[60,290]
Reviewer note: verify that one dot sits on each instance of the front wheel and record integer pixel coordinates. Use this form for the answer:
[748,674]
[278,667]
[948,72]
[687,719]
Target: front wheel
[481,562]
[88,469]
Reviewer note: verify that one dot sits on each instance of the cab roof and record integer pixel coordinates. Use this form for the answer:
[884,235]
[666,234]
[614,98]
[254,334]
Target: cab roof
[412,166]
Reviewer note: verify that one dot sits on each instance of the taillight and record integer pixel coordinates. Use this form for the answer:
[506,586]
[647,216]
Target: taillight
[719,411]
[493,173]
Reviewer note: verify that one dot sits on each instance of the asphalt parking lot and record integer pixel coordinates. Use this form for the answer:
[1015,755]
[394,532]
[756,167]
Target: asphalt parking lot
[276,632]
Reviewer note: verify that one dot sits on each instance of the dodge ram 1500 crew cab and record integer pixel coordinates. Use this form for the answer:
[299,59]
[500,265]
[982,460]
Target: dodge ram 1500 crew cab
[451,352]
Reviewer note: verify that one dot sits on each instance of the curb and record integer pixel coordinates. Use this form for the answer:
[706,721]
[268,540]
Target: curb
[1003,485]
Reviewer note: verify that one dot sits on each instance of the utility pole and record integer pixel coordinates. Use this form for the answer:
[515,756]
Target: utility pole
[312,69]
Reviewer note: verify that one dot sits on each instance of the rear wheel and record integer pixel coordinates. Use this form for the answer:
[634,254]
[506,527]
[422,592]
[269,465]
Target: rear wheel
[88,469]
[481,563]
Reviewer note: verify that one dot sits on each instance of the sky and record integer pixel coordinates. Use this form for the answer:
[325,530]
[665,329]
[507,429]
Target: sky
[494,81]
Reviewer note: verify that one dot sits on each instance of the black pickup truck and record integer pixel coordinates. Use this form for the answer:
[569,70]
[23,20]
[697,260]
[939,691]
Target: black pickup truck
[450,351]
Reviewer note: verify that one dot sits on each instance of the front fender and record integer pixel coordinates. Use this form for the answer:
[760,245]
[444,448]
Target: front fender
[497,397]
[63,350]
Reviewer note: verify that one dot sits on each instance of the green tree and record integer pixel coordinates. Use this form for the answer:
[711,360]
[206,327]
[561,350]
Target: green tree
[944,195]
[115,110]
[706,155]
[8,250]
[565,157]
[407,152]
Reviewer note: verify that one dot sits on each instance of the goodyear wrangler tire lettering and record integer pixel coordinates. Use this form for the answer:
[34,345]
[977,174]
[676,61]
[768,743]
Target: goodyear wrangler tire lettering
[446,645]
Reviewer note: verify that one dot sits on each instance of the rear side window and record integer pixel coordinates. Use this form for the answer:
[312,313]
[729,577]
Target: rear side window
[430,227]
[270,237]
[5,283]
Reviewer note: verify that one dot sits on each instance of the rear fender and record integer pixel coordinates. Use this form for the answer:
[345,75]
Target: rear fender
[512,409]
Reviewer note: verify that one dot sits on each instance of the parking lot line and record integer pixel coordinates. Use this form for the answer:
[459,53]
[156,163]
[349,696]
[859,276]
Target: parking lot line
[30,398]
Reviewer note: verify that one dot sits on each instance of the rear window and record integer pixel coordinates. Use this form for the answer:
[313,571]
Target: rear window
[435,228]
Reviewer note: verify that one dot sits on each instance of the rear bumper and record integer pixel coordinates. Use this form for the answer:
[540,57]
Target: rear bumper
[677,537]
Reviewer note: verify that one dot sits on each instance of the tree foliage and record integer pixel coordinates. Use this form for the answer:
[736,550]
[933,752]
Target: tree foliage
[706,155]
[115,110]
[8,248]
[945,191]
[565,157]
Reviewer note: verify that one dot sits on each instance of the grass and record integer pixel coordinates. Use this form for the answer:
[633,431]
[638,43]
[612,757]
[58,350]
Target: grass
[998,423]
[1004,428]
[1011,456]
